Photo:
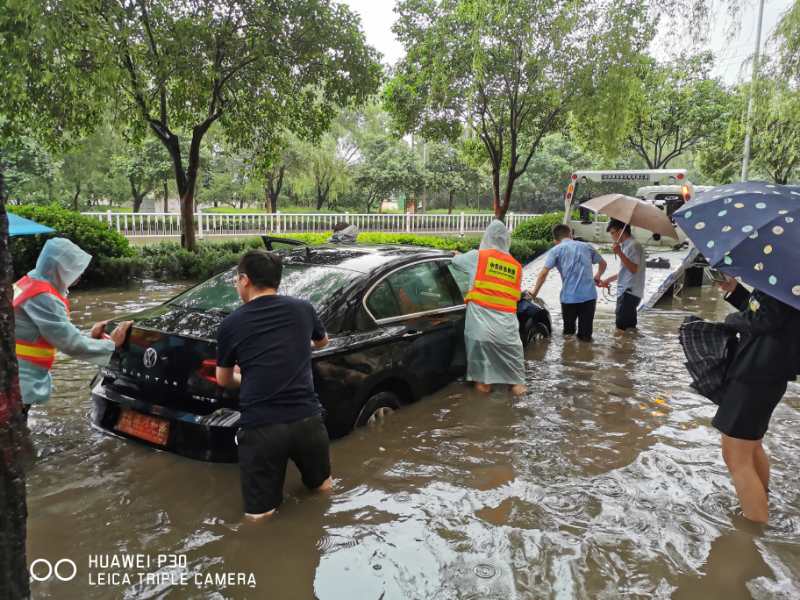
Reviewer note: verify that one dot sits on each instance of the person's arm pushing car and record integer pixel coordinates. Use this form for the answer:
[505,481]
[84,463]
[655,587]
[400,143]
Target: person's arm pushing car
[229,377]
[320,344]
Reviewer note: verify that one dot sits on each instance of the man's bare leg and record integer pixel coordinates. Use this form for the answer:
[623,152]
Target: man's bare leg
[519,389]
[259,517]
[483,388]
[326,486]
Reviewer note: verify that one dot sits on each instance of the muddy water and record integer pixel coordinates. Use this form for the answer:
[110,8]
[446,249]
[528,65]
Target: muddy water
[604,482]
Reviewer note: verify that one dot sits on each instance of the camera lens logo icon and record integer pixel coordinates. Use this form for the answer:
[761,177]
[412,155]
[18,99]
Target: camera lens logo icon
[64,570]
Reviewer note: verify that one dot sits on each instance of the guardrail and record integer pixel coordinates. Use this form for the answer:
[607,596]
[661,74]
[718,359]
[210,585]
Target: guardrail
[145,225]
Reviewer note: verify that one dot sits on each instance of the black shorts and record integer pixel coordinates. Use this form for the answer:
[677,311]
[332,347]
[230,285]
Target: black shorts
[583,313]
[746,408]
[264,452]
[626,310]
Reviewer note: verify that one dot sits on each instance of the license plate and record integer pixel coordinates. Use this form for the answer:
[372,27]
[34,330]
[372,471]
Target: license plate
[144,427]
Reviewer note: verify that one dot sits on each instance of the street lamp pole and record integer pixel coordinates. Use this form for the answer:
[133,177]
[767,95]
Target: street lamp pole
[748,124]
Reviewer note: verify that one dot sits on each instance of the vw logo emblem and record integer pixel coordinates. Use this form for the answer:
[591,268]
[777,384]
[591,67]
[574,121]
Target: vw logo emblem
[150,358]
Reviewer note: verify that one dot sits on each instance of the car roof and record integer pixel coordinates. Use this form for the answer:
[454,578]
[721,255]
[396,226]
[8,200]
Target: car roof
[359,257]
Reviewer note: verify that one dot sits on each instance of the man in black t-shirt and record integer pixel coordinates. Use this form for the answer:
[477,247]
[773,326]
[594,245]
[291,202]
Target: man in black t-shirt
[270,338]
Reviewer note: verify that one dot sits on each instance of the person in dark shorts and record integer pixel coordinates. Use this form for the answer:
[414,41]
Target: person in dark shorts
[766,358]
[269,338]
[631,277]
[574,262]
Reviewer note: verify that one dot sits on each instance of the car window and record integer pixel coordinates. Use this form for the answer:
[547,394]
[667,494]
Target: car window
[382,302]
[315,283]
[462,278]
[421,288]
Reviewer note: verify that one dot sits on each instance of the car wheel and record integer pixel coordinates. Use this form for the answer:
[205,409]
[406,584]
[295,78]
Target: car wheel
[378,409]
[533,332]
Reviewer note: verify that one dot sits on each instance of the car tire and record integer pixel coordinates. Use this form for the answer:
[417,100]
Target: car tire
[377,409]
[534,331]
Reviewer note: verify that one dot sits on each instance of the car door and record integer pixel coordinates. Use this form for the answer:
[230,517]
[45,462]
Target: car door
[424,310]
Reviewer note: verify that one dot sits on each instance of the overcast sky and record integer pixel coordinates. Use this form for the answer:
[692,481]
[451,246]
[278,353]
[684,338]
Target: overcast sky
[377,17]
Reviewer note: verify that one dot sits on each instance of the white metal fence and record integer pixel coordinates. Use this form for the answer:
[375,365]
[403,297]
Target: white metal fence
[242,224]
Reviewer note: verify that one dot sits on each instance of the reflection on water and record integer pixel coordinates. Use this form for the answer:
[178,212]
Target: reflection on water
[604,482]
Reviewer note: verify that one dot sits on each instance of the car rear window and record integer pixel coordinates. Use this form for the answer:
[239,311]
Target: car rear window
[317,284]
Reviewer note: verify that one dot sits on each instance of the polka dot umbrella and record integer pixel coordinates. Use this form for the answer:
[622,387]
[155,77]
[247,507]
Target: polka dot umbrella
[749,230]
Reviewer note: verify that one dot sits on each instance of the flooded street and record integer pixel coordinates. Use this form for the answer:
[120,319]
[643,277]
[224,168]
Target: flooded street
[606,481]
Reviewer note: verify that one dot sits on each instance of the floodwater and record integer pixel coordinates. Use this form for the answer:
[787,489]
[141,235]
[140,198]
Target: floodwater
[606,481]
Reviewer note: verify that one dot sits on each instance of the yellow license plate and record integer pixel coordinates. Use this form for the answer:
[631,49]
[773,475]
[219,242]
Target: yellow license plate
[144,427]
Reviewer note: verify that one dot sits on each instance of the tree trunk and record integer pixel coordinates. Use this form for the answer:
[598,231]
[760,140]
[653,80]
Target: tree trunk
[496,190]
[185,180]
[75,197]
[166,196]
[14,436]
[450,202]
[323,188]
[273,188]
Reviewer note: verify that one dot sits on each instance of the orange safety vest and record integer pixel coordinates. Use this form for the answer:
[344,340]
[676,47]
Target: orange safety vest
[498,281]
[40,352]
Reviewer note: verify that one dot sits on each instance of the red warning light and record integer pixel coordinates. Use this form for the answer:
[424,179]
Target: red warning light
[680,176]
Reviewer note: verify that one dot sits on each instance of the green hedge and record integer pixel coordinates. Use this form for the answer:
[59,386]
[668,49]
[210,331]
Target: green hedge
[117,263]
[538,228]
[91,235]
[521,249]
[168,260]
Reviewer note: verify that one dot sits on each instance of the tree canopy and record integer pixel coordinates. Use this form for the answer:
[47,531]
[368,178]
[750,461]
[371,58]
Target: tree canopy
[510,70]
[676,107]
[259,67]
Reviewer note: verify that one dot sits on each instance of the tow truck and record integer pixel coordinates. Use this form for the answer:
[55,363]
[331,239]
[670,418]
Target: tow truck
[595,231]
[689,272]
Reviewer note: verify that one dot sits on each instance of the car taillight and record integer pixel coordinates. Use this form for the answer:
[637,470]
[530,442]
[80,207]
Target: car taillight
[208,371]
[687,195]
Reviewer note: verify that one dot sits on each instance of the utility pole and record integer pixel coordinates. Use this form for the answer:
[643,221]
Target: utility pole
[748,124]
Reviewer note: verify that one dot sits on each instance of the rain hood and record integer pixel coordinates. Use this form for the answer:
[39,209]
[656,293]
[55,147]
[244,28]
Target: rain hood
[61,263]
[496,237]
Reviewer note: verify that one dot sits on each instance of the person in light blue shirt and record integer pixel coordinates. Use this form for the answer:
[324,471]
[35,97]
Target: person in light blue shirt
[574,261]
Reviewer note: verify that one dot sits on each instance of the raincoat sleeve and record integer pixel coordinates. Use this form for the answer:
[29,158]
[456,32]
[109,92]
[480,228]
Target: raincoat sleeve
[50,317]
[467,262]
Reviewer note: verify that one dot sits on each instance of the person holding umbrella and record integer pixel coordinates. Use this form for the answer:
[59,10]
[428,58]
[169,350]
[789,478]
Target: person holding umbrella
[751,231]
[625,212]
[631,276]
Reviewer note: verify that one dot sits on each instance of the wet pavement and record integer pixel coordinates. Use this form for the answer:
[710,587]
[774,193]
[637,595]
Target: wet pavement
[605,481]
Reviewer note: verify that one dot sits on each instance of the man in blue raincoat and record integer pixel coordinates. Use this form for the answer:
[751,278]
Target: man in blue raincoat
[42,324]
[491,329]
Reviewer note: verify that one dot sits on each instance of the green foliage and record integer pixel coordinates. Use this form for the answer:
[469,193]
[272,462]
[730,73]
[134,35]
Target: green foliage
[538,228]
[388,167]
[677,106]
[92,236]
[775,149]
[511,69]
[524,250]
[262,69]
[788,36]
[776,127]
[51,80]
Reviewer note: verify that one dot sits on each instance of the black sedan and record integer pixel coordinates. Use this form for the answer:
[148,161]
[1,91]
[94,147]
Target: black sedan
[394,314]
